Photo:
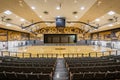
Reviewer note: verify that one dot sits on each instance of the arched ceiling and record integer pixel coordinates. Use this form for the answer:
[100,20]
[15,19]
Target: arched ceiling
[94,12]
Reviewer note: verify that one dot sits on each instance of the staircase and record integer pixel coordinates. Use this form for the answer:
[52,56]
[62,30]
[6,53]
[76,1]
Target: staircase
[61,72]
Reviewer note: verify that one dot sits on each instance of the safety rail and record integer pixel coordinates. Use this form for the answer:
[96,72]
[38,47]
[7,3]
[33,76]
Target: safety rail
[61,55]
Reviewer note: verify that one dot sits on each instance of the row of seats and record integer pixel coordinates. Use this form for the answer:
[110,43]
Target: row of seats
[88,61]
[93,68]
[47,70]
[27,64]
[93,64]
[27,68]
[96,76]
[24,76]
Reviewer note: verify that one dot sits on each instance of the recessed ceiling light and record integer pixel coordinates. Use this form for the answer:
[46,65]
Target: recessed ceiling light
[8,25]
[40,16]
[58,7]
[97,20]
[76,16]
[110,25]
[33,7]
[8,12]
[58,16]
[82,8]
[111,13]
[22,20]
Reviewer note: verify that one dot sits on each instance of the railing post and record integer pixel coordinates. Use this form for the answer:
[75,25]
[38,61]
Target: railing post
[30,55]
[2,53]
[82,55]
[68,55]
[47,55]
[116,52]
[22,55]
[102,54]
[63,55]
[37,55]
[109,53]
[96,54]
[16,54]
[89,55]
[42,55]
[52,55]
[73,55]
[8,53]
[57,55]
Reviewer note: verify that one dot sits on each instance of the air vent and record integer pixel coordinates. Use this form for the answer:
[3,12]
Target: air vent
[8,19]
[110,20]
[46,12]
[75,12]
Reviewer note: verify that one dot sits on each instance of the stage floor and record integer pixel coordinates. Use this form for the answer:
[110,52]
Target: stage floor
[60,50]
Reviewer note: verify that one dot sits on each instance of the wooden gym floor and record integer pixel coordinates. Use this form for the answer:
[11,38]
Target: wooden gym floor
[60,50]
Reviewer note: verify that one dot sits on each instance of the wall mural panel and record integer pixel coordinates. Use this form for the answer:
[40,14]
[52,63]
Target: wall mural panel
[24,36]
[14,35]
[3,35]
[66,30]
[54,30]
[107,35]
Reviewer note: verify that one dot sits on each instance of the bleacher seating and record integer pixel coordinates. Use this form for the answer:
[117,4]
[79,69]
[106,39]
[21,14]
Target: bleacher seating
[27,68]
[103,68]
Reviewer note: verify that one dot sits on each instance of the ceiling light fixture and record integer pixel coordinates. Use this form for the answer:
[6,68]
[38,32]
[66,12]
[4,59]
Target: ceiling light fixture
[8,12]
[82,8]
[58,16]
[111,13]
[58,7]
[40,16]
[8,25]
[110,25]
[97,20]
[76,16]
[22,20]
[33,8]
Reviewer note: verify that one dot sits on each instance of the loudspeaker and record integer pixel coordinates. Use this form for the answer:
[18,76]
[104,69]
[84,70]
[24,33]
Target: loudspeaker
[60,22]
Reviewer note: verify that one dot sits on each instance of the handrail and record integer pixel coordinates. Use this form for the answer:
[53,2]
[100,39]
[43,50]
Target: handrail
[38,55]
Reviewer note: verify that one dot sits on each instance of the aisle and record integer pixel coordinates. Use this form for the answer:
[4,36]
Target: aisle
[61,72]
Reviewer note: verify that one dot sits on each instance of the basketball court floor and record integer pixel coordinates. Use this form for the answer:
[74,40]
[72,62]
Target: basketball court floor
[61,50]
